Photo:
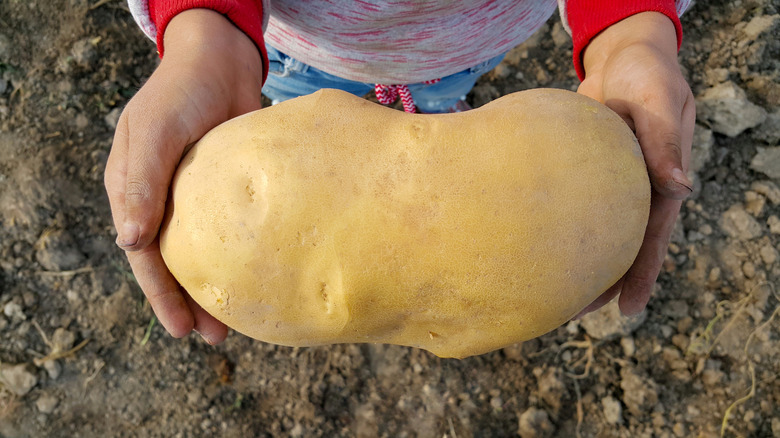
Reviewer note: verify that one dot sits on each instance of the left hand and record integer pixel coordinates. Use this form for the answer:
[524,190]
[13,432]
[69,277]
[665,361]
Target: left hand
[632,68]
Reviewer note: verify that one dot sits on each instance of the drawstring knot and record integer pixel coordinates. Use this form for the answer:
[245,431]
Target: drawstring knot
[387,94]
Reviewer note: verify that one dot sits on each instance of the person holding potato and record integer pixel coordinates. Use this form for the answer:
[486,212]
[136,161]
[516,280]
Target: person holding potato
[218,57]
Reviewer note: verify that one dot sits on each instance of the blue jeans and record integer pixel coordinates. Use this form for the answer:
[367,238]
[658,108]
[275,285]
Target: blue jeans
[289,78]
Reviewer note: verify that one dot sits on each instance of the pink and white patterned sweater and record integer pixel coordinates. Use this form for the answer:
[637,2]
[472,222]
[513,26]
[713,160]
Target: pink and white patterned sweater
[401,41]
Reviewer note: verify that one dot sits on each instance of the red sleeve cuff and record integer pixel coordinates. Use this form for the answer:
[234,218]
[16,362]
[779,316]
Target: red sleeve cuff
[587,18]
[247,15]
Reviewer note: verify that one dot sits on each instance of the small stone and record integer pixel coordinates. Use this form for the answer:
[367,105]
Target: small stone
[774,224]
[768,254]
[17,379]
[711,378]
[767,161]
[28,298]
[768,189]
[639,394]
[53,369]
[542,77]
[628,345]
[698,274]
[726,108]
[608,322]
[82,121]
[658,420]
[296,431]
[72,296]
[559,35]
[769,131]
[669,265]
[714,275]
[14,311]
[680,341]
[749,269]
[62,339]
[613,411]
[714,76]
[739,224]
[694,236]
[754,203]
[535,423]
[112,118]
[676,309]
[84,52]
[46,403]
[502,71]
[670,355]
[551,388]
[684,324]
[701,151]
[496,403]
[758,25]
[514,352]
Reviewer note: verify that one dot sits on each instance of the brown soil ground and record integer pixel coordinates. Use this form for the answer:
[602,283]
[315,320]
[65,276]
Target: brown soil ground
[705,355]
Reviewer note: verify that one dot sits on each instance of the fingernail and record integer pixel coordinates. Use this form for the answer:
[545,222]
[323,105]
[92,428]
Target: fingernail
[128,234]
[206,338]
[680,178]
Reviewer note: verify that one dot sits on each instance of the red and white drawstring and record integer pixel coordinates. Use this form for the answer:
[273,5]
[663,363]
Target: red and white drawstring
[387,94]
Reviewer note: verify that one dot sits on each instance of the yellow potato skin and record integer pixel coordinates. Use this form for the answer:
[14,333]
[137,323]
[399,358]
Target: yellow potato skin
[330,219]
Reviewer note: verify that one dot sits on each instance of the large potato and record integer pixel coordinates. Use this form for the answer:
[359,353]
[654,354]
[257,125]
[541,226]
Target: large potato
[330,219]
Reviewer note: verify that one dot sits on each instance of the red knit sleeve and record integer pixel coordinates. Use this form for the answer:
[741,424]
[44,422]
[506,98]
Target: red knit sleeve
[247,15]
[587,18]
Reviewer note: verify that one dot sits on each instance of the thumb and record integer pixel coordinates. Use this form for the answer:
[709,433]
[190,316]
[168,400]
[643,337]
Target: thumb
[665,132]
[153,152]
[590,86]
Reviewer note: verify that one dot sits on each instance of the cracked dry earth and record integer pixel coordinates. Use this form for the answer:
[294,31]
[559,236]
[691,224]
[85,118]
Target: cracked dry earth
[80,354]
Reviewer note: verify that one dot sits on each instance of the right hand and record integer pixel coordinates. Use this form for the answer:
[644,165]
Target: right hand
[211,72]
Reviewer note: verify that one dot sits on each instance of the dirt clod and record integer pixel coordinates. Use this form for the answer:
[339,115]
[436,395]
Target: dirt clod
[17,378]
[535,423]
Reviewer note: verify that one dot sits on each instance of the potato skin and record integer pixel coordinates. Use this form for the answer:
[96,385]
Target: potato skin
[330,219]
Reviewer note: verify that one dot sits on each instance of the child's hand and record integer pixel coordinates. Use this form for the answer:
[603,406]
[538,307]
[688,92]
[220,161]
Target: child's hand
[632,68]
[211,72]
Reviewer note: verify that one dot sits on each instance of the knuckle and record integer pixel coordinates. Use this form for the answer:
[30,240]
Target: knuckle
[641,282]
[137,190]
[157,295]
[671,140]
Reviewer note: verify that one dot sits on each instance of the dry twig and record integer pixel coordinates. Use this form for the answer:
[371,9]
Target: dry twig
[56,351]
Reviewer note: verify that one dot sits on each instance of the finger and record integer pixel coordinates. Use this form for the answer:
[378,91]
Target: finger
[664,128]
[116,169]
[162,290]
[602,300]
[209,328]
[639,281]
